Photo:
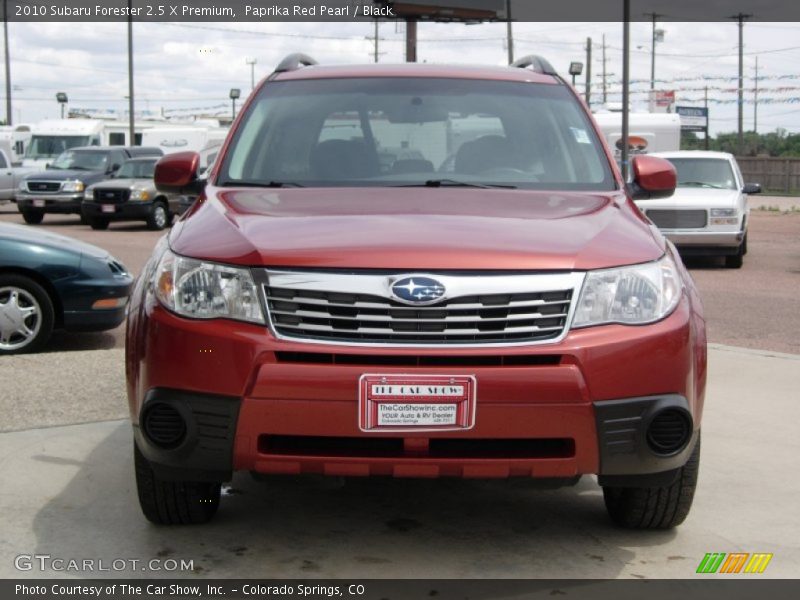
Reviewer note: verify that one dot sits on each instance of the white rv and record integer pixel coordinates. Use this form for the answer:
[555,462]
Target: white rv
[647,132]
[183,138]
[13,140]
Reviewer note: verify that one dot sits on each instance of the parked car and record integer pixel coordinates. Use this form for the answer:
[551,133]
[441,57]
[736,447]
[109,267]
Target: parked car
[326,312]
[50,281]
[10,177]
[708,213]
[130,195]
[60,188]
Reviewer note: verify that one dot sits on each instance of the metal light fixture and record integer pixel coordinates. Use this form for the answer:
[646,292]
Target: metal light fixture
[575,69]
[62,99]
[234,94]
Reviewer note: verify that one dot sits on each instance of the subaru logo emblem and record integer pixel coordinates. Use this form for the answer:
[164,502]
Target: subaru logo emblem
[417,289]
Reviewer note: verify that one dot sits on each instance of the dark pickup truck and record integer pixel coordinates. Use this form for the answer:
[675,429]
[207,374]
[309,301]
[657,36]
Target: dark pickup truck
[60,188]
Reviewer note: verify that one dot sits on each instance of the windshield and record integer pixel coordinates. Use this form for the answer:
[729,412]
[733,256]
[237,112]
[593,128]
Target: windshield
[48,146]
[416,131]
[85,160]
[704,173]
[136,169]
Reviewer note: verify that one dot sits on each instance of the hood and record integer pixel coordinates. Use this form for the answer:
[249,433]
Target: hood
[694,197]
[124,184]
[416,229]
[65,174]
[41,237]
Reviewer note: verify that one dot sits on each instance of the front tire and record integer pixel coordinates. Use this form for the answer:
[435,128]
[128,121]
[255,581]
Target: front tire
[32,217]
[173,502]
[735,261]
[159,218]
[26,315]
[98,223]
[655,507]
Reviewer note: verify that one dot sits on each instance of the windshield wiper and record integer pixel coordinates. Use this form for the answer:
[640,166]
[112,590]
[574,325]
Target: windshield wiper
[76,168]
[456,183]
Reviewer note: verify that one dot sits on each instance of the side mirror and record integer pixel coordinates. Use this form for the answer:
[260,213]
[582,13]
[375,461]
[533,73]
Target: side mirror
[653,178]
[177,173]
[114,168]
[752,188]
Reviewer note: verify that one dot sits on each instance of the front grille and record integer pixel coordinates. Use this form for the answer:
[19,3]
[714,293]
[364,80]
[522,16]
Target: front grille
[111,196]
[678,219]
[302,310]
[49,187]
[422,360]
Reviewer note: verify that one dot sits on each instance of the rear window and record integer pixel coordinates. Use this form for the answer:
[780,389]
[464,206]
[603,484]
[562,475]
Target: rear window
[406,131]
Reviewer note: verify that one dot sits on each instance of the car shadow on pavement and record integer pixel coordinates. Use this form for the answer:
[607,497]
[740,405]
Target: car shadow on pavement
[68,341]
[323,527]
[710,263]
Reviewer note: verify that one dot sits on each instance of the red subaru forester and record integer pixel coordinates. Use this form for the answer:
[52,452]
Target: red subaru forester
[416,271]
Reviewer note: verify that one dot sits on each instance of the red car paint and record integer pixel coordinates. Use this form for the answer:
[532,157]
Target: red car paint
[292,388]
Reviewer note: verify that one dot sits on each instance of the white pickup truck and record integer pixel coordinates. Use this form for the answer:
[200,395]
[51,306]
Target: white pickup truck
[10,177]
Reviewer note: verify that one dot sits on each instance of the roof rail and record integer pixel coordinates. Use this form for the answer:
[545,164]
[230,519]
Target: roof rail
[294,62]
[539,64]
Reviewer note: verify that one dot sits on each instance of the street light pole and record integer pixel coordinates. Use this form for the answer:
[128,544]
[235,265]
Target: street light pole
[509,33]
[131,125]
[740,18]
[8,63]
[252,62]
[626,67]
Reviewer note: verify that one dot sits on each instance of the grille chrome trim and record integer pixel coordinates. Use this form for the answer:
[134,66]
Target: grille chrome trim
[357,309]
[46,186]
[678,219]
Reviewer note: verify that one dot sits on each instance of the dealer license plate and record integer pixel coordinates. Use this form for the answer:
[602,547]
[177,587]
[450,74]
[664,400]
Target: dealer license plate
[416,402]
[108,208]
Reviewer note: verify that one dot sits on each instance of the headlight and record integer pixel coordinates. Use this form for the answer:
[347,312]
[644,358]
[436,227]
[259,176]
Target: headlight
[139,195]
[723,216]
[629,295]
[88,194]
[23,186]
[73,186]
[204,290]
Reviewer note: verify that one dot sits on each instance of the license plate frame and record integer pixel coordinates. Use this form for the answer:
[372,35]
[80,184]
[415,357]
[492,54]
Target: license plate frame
[108,208]
[39,202]
[435,395]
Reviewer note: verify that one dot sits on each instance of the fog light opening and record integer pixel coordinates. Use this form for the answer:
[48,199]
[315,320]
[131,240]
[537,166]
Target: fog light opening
[669,431]
[163,425]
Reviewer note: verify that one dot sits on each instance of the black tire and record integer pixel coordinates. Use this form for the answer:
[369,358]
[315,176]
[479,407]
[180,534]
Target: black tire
[173,502]
[98,223]
[159,217]
[735,261]
[744,245]
[655,507]
[84,219]
[32,217]
[29,295]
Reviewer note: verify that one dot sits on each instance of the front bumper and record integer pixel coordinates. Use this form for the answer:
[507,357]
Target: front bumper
[127,211]
[700,241]
[50,203]
[540,410]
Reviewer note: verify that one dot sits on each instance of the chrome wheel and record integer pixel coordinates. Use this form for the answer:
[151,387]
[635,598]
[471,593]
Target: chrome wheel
[20,318]
[159,216]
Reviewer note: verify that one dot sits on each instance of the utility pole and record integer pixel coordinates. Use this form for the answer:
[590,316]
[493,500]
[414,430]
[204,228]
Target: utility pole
[509,33]
[588,70]
[706,105]
[376,53]
[605,89]
[131,126]
[626,74]
[8,63]
[653,16]
[411,40]
[755,101]
[740,18]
